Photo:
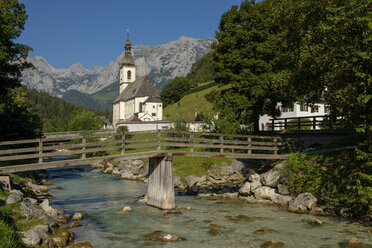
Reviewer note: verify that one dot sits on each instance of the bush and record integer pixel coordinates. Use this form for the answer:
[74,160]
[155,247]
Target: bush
[338,180]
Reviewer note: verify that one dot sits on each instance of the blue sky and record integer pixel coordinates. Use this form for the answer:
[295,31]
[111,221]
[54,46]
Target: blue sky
[93,31]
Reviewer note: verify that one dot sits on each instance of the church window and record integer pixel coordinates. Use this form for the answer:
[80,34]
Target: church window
[153,106]
[129,74]
[153,114]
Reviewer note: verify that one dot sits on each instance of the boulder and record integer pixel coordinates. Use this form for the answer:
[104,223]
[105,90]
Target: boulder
[78,216]
[178,183]
[35,235]
[63,238]
[272,244]
[124,164]
[37,188]
[281,199]
[227,170]
[5,183]
[74,224]
[238,167]
[270,178]
[191,180]
[283,189]
[264,192]
[30,200]
[30,211]
[126,174]
[115,171]
[13,198]
[214,174]
[255,185]
[109,170]
[48,209]
[126,209]
[264,231]
[303,202]
[254,177]
[245,190]
[159,236]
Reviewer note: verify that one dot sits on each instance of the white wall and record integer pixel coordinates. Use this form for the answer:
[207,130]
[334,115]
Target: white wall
[147,126]
[124,81]
[295,113]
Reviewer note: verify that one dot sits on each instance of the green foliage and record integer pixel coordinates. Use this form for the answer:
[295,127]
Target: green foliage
[17,121]
[337,180]
[201,72]
[86,120]
[207,164]
[248,57]
[123,129]
[331,44]
[12,55]
[175,90]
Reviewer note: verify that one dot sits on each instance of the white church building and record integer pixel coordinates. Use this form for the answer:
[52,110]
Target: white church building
[138,100]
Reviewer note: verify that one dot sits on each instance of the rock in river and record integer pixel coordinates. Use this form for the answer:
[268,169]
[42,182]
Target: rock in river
[159,236]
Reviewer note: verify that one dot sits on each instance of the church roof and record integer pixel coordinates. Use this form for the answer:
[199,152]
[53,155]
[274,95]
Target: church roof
[153,99]
[140,88]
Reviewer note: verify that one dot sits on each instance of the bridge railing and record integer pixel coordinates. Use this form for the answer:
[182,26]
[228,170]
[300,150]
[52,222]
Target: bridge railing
[318,122]
[79,148]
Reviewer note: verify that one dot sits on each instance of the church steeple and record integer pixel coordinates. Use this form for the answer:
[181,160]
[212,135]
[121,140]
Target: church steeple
[128,48]
[128,68]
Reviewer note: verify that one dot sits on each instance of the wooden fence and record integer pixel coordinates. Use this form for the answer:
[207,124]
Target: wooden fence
[305,123]
[83,148]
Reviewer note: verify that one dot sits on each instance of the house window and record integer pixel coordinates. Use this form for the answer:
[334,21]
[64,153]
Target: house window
[304,107]
[286,109]
[160,105]
[129,74]
[153,114]
[315,109]
[327,109]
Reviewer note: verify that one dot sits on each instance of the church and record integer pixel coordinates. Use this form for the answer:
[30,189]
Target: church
[138,100]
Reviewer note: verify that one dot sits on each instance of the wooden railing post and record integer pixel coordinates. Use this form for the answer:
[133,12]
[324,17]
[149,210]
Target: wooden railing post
[122,143]
[158,139]
[275,146]
[191,142]
[314,123]
[83,141]
[272,125]
[249,145]
[285,124]
[40,150]
[221,143]
[299,123]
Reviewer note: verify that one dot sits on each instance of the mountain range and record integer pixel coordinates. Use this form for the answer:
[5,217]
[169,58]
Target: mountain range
[98,86]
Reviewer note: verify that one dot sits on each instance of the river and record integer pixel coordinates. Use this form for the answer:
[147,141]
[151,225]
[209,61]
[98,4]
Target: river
[210,223]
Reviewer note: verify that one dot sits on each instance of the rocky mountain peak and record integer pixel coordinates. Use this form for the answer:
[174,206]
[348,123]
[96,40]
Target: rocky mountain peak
[162,63]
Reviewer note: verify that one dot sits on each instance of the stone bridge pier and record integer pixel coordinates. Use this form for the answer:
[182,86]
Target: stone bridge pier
[160,191]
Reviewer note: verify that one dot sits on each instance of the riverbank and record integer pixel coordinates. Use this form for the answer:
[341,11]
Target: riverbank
[26,217]
[276,183]
[211,222]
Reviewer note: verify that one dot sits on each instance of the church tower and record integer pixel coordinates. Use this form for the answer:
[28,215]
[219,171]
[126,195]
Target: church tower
[128,68]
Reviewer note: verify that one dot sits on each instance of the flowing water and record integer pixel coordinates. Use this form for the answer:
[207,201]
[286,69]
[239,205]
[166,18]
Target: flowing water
[208,224]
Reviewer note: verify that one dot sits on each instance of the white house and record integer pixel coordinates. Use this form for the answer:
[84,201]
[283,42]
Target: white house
[296,110]
[138,99]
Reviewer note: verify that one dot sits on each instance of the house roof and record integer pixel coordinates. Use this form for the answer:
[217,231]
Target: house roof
[140,88]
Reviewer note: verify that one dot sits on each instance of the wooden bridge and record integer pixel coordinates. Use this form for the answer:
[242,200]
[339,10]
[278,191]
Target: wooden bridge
[67,149]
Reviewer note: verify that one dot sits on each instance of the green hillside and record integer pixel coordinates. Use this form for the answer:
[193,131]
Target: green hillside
[101,100]
[56,114]
[186,107]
